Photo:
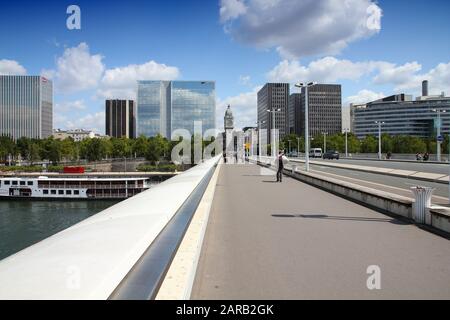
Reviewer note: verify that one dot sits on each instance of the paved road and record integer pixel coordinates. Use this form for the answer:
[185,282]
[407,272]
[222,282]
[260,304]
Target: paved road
[413,166]
[397,185]
[268,240]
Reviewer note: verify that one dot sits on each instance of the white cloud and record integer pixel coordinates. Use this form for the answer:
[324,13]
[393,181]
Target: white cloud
[364,96]
[91,121]
[76,70]
[231,9]
[405,78]
[11,67]
[70,106]
[397,75]
[244,80]
[408,78]
[243,107]
[121,82]
[298,28]
[328,69]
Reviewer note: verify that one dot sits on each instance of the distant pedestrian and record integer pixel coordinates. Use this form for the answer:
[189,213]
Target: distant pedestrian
[426,156]
[281,159]
[389,156]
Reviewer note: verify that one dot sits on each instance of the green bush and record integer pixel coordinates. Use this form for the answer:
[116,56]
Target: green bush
[158,168]
[30,169]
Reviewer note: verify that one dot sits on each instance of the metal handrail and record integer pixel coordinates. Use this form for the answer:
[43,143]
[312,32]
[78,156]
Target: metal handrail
[145,278]
[128,237]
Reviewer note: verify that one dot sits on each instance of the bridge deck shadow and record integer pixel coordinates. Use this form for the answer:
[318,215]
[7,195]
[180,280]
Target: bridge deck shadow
[327,217]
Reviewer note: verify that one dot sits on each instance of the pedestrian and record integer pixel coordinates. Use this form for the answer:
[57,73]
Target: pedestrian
[280,163]
[426,156]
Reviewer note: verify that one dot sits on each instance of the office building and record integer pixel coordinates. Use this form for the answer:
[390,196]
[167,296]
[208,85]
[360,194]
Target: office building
[296,117]
[165,106]
[324,109]
[120,118]
[274,96]
[76,134]
[403,116]
[26,107]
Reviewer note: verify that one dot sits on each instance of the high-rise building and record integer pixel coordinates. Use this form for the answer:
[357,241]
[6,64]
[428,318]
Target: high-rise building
[401,115]
[26,107]
[274,97]
[165,106]
[324,109]
[296,118]
[120,118]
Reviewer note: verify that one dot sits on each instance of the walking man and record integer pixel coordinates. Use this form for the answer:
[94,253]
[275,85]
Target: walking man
[280,167]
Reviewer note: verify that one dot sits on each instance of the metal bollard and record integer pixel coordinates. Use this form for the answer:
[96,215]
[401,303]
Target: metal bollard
[422,195]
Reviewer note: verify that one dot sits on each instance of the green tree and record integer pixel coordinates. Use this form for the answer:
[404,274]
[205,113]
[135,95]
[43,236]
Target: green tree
[68,149]
[121,147]
[50,149]
[140,146]
[93,149]
[369,144]
[157,148]
[284,144]
[7,147]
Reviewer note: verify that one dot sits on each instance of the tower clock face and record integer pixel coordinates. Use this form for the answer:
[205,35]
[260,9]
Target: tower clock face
[229,122]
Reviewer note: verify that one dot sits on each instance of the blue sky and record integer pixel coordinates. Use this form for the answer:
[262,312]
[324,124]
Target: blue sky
[371,48]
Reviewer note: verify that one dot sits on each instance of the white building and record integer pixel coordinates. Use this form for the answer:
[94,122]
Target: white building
[76,134]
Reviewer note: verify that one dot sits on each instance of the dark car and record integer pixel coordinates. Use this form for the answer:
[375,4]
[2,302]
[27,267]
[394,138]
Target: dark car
[331,155]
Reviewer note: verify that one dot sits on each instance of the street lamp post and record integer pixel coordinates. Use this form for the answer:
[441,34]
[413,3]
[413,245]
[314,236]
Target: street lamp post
[439,111]
[346,142]
[259,123]
[380,123]
[306,86]
[324,141]
[272,131]
[298,147]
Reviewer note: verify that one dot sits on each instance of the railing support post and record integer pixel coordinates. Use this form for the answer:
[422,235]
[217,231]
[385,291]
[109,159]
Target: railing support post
[422,196]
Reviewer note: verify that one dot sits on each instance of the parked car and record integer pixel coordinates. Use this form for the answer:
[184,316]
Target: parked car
[332,154]
[315,153]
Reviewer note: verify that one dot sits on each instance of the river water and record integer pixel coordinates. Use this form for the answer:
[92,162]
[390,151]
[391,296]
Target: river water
[26,222]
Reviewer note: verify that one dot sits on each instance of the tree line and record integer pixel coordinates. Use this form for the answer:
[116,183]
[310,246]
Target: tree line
[153,149]
[395,144]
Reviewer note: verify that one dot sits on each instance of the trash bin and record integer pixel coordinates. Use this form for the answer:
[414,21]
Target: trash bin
[422,195]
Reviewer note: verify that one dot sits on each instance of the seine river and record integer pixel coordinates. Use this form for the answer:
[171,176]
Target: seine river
[23,223]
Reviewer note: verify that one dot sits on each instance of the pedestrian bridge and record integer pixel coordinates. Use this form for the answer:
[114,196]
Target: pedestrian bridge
[223,231]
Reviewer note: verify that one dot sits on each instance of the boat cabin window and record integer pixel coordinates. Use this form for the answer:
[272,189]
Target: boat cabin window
[22,183]
[14,183]
[53,191]
[45,191]
[60,191]
[30,183]
[7,182]
[76,192]
[68,192]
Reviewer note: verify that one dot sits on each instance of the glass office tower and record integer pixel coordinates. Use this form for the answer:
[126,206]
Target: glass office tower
[26,107]
[193,101]
[165,106]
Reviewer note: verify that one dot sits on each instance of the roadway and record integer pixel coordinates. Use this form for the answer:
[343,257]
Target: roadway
[403,165]
[268,240]
[397,185]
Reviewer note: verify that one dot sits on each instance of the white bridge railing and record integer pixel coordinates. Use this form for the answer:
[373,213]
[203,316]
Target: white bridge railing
[91,259]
